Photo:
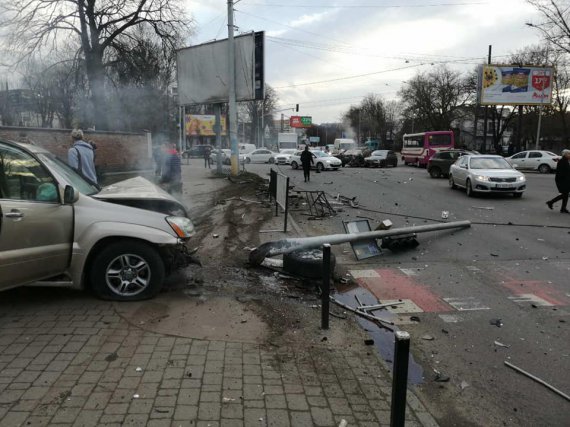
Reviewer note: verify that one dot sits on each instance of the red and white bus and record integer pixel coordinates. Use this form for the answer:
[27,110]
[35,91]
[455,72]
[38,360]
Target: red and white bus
[417,148]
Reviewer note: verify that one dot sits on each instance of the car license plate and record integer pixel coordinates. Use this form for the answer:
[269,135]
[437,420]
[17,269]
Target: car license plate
[504,185]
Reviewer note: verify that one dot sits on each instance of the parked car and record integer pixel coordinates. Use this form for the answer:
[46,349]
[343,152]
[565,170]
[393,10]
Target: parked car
[381,159]
[542,161]
[284,156]
[353,158]
[486,174]
[119,241]
[226,154]
[196,152]
[261,155]
[321,160]
[441,161]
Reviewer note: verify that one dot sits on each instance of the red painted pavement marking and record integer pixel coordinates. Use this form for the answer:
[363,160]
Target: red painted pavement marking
[541,289]
[393,285]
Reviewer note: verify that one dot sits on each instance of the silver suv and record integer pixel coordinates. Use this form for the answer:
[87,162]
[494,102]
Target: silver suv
[119,241]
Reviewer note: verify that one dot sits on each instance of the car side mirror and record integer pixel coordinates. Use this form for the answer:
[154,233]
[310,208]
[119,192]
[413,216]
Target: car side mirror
[70,195]
[463,166]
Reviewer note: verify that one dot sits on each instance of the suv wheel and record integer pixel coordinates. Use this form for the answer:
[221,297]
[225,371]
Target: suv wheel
[126,271]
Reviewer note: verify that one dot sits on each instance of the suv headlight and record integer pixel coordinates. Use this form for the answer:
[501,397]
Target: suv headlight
[182,226]
[482,178]
[521,178]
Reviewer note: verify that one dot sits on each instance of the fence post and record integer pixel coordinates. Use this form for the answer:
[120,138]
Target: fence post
[400,379]
[326,289]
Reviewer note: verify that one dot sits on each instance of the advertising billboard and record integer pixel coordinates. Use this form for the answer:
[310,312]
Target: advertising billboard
[202,71]
[300,121]
[512,85]
[202,125]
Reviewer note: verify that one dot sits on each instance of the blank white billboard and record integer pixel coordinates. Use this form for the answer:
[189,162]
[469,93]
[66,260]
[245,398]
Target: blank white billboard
[203,71]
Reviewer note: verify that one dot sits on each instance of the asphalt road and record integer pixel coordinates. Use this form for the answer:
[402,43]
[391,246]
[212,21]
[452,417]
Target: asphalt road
[513,264]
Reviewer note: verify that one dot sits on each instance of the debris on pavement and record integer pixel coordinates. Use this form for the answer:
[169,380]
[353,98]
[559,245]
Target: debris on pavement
[215,236]
[464,385]
[381,322]
[138,369]
[500,344]
[384,225]
[428,337]
[415,319]
[496,322]
[439,377]
[538,380]
[136,396]
[369,342]
[444,214]
[487,208]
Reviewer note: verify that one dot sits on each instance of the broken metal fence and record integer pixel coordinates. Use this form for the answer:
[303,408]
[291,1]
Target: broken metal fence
[279,192]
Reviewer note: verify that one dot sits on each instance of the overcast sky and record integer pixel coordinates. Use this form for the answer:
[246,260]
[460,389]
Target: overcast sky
[310,41]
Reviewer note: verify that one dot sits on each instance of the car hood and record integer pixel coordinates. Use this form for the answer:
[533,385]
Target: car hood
[140,193]
[375,158]
[499,173]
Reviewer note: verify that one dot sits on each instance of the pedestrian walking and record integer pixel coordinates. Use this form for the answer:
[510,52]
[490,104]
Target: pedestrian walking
[306,161]
[81,157]
[562,181]
[171,178]
[207,158]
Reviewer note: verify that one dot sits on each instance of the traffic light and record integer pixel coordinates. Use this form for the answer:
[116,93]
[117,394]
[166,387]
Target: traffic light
[297,108]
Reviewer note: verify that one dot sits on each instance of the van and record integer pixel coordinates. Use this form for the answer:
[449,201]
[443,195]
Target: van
[343,144]
[246,148]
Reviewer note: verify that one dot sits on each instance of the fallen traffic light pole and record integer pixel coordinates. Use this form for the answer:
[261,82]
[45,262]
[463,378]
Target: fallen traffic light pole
[285,246]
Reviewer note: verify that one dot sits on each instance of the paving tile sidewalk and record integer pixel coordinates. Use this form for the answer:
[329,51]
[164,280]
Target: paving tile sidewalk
[69,359]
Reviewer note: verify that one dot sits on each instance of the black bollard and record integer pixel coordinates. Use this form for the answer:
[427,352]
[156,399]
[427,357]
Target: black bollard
[400,379]
[326,289]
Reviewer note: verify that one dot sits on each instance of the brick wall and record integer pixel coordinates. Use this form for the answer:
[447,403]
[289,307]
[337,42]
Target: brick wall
[116,151]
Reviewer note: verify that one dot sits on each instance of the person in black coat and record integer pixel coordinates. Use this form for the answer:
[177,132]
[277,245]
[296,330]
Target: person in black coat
[306,161]
[562,181]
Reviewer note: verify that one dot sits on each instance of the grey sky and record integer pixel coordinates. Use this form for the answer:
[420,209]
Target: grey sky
[311,41]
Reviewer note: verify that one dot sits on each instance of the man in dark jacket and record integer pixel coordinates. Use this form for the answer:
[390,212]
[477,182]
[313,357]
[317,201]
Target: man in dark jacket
[306,161]
[171,178]
[562,181]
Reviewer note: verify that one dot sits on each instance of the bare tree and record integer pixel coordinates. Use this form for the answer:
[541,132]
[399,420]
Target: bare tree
[435,99]
[101,26]
[253,111]
[555,26]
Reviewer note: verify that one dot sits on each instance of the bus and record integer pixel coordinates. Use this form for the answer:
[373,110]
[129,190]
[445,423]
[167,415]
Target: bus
[417,148]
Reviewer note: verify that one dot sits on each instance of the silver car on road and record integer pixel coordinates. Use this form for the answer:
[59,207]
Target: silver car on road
[119,241]
[486,174]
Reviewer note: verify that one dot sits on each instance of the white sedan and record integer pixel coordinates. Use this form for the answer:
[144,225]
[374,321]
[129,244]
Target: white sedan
[226,156]
[284,156]
[486,174]
[261,155]
[321,161]
[542,161]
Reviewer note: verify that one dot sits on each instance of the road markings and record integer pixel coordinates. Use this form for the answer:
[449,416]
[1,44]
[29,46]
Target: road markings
[409,271]
[466,304]
[408,306]
[545,291]
[359,274]
[473,269]
[531,299]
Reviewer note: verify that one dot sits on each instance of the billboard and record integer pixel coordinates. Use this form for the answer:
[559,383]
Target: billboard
[202,71]
[203,125]
[512,85]
[300,121]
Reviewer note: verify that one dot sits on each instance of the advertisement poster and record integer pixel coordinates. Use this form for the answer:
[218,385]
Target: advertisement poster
[203,125]
[511,85]
[300,121]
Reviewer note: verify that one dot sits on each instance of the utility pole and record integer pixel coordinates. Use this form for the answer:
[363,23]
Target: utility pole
[232,91]
[484,147]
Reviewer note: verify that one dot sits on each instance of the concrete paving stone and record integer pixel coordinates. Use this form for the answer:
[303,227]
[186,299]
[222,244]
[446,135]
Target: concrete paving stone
[322,416]
[116,408]
[129,382]
[149,391]
[214,367]
[293,388]
[36,421]
[277,418]
[14,418]
[350,387]
[254,404]
[232,410]
[232,384]
[273,389]
[216,346]
[186,412]
[15,348]
[145,349]
[207,396]
[25,406]
[379,404]
[168,392]
[98,400]
[83,389]
[188,396]
[88,418]
[194,371]
[425,419]
[111,420]
[301,419]
[152,376]
[149,340]
[173,373]
[251,359]
[98,366]
[333,390]
[181,349]
[209,410]
[252,391]
[252,379]
[367,415]
[74,402]
[190,383]
[140,406]
[233,358]
[251,370]
[170,384]
[272,382]
[165,401]
[65,415]
[207,424]
[226,422]
[18,386]
[212,387]
[339,405]
[161,412]
[136,420]
[311,380]
[317,401]
[90,378]
[196,359]
[10,396]
[233,371]
[356,399]
[275,401]
[210,378]
[11,373]
[297,402]
[313,391]
[23,360]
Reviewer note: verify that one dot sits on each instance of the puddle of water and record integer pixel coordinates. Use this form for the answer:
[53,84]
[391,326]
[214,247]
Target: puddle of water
[383,338]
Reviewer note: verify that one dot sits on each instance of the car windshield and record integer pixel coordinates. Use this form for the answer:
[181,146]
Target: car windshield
[287,151]
[380,153]
[489,163]
[66,172]
[321,154]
